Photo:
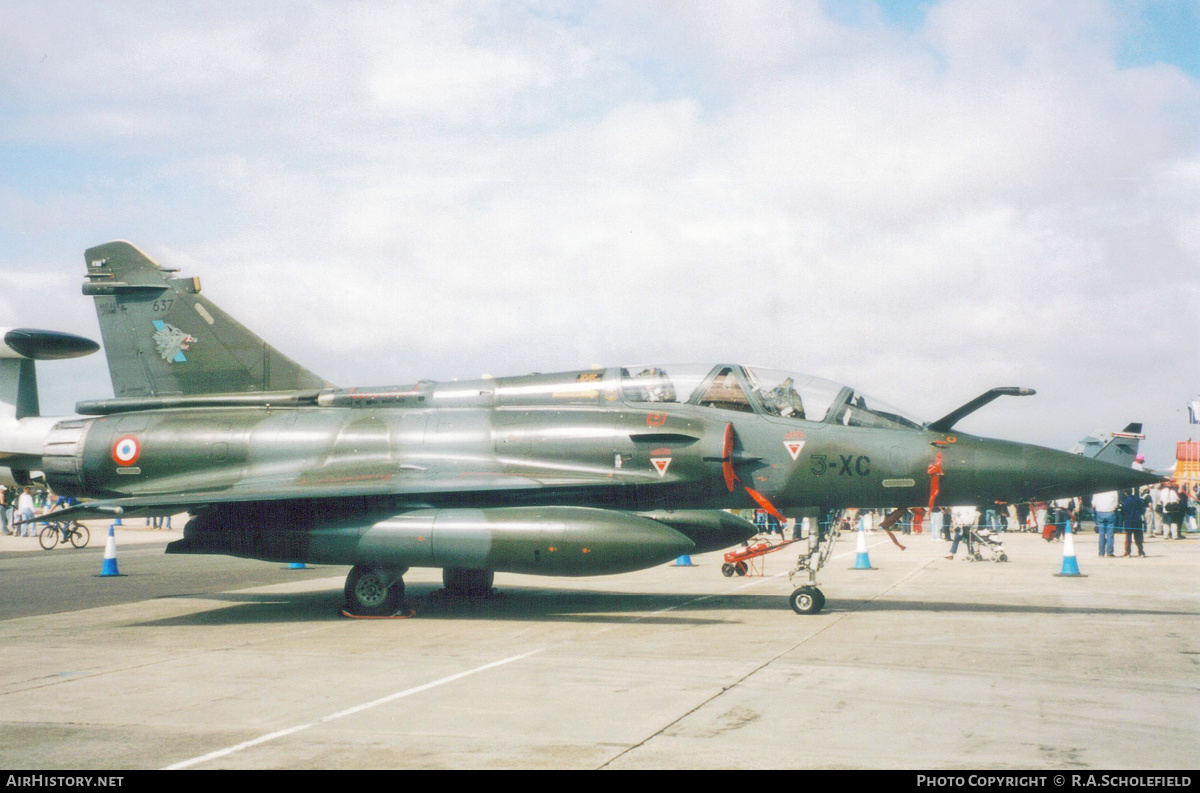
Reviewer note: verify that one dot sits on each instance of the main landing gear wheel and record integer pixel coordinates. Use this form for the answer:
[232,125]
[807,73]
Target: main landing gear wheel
[373,592]
[472,584]
[807,600]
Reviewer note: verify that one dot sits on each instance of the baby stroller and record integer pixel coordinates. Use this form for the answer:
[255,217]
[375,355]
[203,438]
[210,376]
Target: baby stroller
[983,541]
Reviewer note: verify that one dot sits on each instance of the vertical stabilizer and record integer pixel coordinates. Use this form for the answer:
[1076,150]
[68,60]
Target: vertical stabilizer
[18,389]
[1120,449]
[162,337]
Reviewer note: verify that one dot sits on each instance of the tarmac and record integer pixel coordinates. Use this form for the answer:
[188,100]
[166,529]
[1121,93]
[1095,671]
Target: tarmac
[922,663]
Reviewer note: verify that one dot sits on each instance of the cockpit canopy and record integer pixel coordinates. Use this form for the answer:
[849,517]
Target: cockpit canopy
[752,389]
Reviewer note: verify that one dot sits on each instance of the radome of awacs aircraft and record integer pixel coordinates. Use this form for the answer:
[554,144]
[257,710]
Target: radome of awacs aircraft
[586,472]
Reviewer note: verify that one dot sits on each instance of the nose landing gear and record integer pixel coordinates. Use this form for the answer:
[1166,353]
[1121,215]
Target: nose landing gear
[807,599]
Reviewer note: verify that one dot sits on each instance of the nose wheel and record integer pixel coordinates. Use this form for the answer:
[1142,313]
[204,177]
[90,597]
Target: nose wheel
[807,600]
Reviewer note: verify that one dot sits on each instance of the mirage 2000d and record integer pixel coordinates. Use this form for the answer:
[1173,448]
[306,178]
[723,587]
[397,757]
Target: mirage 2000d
[569,474]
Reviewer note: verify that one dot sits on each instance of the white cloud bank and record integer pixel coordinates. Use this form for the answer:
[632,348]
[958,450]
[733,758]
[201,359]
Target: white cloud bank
[393,191]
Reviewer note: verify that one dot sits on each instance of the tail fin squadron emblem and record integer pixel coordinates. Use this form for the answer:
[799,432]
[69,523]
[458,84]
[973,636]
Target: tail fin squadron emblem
[171,342]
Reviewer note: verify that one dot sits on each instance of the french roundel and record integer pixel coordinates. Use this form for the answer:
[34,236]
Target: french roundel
[126,450]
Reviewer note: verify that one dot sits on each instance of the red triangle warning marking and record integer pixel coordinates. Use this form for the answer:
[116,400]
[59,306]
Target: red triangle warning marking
[660,464]
[794,448]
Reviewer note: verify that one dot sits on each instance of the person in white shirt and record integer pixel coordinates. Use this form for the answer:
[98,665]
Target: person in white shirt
[1105,505]
[25,513]
[1169,498]
[962,518]
[1154,521]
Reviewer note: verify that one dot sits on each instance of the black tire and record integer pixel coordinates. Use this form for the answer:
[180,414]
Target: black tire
[460,582]
[1002,558]
[727,570]
[368,594]
[49,536]
[806,600]
[740,568]
[80,535]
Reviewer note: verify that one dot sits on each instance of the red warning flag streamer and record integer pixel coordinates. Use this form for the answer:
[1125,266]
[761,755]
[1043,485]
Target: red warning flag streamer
[727,459]
[732,480]
[767,505]
[890,521]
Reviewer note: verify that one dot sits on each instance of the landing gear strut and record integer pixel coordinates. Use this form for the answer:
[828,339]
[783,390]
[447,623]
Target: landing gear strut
[808,599]
[374,591]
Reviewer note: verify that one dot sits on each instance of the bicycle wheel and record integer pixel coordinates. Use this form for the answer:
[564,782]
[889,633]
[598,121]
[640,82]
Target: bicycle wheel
[79,534]
[48,536]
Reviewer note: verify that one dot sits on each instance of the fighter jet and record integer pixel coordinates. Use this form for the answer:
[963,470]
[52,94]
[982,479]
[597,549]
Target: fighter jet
[576,473]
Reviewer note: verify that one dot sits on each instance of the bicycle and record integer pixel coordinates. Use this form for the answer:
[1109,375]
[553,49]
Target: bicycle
[73,530]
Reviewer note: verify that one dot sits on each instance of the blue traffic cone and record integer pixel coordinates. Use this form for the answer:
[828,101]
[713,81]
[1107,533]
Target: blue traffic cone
[684,561]
[297,566]
[862,561]
[110,555]
[1070,567]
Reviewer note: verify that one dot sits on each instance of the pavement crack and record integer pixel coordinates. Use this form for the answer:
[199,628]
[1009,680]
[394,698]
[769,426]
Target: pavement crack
[759,668]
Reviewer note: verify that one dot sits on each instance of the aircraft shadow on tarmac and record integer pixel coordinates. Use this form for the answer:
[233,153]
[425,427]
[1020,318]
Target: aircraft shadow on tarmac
[551,605]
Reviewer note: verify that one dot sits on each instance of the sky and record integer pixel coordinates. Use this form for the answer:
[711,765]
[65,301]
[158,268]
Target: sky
[921,199]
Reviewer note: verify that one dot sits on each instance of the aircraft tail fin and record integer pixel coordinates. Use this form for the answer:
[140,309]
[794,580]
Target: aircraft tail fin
[162,337]
[18,389]
[1121,449]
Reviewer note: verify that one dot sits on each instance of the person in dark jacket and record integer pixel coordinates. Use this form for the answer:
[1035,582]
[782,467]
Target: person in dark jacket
[1131,518]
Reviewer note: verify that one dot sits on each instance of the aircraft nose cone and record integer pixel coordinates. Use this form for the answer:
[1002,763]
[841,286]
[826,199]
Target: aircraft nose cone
[1074,475]
[1019,472]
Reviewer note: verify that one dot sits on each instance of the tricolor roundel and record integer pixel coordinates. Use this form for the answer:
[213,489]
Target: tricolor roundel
[126,450]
